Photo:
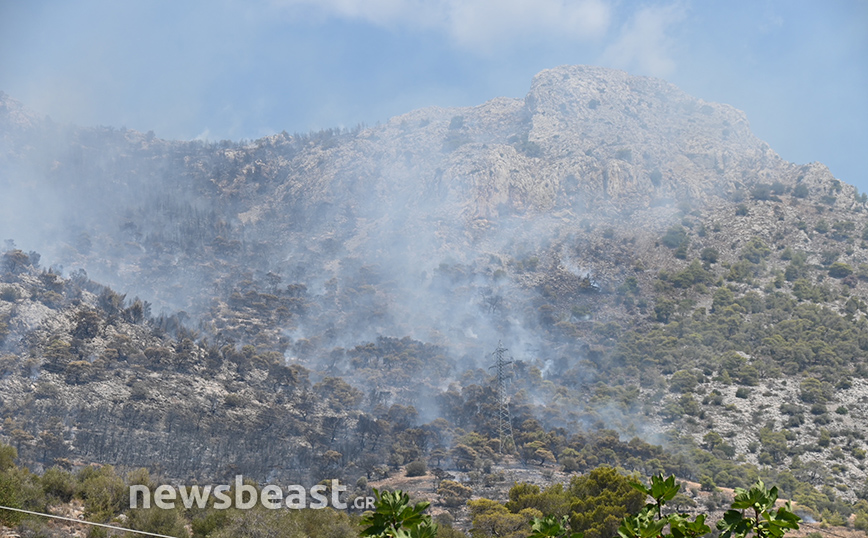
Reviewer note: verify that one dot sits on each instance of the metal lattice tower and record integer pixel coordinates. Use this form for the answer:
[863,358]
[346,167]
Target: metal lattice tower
[504,421]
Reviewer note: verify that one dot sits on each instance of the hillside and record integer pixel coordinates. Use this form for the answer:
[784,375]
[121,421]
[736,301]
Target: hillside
[326,304]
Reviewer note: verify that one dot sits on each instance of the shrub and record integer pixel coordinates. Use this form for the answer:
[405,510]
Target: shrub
[8,455]
[818,409]
[600,500]
[159,521]
[10,294]
[812,390]
[840,270]
[416,468]
[801,191]
[624,154]
[453,494]
[103,492]
[706,483]
[709,255]
[761,192]
[675,236]
[682,381]
[59,484]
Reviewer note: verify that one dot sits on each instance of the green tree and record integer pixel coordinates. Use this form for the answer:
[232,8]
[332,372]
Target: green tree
[453,494]
[464,457]
[8,455]
[490,518]
[103,491]
[602,498]
[682,381]
[58,484]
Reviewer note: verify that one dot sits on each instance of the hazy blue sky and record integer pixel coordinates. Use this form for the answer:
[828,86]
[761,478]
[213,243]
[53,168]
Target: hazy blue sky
[242,69]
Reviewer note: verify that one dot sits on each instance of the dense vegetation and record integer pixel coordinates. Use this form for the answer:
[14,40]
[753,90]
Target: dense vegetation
[599,504]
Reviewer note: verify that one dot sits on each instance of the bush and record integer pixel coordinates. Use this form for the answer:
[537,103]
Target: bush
[59,484]
[159,521]
[709,255]
[599,500]
[801,191]
[861,522]
[624,154]
[675,236]
[812,390]
[10,294]
[571,465]
[840,270]
[706,483]
[103,492]
[682,381]
[8,455]
[761,192]
[416,468]
[453,494]
[19,488]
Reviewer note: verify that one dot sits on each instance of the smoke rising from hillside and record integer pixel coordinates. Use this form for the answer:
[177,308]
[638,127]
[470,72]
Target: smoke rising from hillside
[460,228]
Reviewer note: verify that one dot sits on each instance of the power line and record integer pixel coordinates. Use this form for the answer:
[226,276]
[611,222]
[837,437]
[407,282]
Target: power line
[85,522]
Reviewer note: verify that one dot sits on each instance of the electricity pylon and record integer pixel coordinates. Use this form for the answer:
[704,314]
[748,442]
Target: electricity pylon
[504,421]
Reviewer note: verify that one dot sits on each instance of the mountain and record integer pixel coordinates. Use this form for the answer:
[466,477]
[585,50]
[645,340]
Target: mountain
[655,270]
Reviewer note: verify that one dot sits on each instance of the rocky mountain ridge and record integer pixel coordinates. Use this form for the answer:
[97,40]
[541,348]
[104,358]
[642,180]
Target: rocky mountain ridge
[652,266]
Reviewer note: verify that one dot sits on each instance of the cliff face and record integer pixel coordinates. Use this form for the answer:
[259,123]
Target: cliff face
[637,138]
[610,230]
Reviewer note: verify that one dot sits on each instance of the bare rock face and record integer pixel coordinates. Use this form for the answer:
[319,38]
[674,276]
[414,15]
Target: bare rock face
[645,136]
[582,132]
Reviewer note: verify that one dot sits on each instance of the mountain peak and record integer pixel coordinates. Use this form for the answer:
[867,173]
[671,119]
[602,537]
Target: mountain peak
[641,137]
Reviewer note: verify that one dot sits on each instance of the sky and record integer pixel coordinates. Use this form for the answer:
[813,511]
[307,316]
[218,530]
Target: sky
[242,69]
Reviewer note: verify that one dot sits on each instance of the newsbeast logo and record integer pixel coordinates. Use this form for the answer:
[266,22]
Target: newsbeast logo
[246,496]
